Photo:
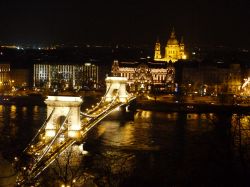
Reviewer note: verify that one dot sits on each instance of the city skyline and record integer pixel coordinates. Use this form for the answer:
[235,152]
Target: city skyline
[124,22]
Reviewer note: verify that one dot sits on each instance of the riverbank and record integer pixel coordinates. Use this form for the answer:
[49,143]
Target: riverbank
[163,106]
[38,99]
[26,100]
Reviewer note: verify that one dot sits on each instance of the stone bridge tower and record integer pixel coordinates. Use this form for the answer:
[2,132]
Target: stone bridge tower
[116,88]
[63,110]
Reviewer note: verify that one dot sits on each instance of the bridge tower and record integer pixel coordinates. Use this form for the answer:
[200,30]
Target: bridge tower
[116,88]
[63,113]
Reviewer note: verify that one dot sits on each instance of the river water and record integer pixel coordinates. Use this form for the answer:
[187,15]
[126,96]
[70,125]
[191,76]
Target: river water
[145,148]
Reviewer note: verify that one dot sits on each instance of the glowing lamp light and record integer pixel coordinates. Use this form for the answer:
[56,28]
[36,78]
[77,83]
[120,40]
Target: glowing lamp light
[61,139]
[123,99]
[127,109]
[50,133]
[73,133]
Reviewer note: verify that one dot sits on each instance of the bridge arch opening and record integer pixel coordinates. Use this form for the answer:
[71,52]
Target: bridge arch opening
[115,93]
[59,121]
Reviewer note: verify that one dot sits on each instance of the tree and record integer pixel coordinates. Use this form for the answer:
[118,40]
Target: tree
[67,170]
[112,168]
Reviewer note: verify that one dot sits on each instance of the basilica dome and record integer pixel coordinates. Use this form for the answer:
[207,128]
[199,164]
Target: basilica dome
[172,40]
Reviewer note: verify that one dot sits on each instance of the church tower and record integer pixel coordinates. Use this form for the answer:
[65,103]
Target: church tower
[182,50]
[157,50]
[172,50]
[115,69]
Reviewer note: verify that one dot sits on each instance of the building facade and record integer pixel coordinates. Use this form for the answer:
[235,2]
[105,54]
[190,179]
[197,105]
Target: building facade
[66,76]
[4,72]
[20,77]
[142,76]
[5,79]
[174,50]
[204,79]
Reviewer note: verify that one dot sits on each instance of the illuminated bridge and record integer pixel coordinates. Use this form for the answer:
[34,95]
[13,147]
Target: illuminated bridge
[66,124]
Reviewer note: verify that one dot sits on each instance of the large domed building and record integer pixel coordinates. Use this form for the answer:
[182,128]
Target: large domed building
[173,50]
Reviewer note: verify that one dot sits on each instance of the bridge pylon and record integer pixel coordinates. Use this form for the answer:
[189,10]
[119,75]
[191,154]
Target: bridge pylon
[64,110]
[116,88]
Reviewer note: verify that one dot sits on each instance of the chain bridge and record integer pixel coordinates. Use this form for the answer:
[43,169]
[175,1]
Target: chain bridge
[66,125]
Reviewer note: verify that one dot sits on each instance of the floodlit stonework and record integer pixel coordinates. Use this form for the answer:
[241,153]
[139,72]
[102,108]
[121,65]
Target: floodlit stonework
[173,51]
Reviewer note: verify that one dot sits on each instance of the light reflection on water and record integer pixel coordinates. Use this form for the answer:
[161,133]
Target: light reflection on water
[147,149]
[17,125]
[150,130]
[169,148]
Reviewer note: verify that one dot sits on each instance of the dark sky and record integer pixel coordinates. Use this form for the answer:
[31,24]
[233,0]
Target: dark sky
[220,22]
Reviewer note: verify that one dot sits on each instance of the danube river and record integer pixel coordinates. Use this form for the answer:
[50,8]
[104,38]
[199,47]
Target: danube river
[145,148]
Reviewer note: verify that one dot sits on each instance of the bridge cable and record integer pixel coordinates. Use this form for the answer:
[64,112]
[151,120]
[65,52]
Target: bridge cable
[47,165]
[99,103]
[87,115]
[38,132]
[102,98]
[59,130]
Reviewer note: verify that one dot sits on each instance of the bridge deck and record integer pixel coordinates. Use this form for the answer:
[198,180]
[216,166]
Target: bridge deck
[90,119]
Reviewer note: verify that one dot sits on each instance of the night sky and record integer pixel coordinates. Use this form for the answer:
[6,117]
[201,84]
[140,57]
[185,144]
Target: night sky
[222,22]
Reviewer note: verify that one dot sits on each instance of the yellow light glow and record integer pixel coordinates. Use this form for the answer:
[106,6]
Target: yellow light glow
[50,133]
[116,79]
[64,98]
[73,134]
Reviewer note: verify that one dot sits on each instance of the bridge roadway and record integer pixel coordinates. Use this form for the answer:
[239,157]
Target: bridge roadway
[38,164]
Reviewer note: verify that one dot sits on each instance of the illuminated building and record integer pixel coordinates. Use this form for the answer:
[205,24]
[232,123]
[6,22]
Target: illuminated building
[174,50]
[210,79]
[20,77]
[4,72]
[4,75]
[142,76]
[13,77]
[66,76]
